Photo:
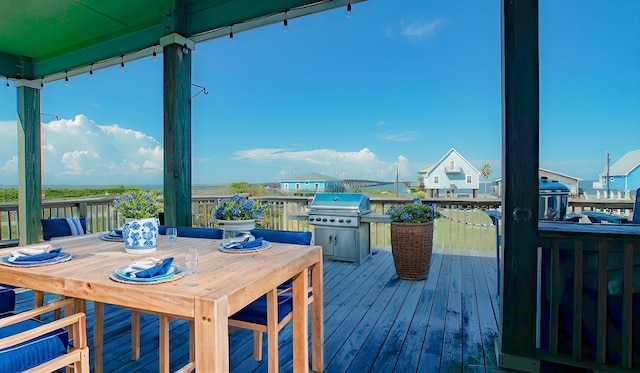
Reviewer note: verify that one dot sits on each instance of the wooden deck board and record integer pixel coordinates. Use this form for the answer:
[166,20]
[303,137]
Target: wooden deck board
[374,322]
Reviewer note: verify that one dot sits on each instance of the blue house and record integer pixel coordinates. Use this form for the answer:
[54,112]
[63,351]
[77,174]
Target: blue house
[624,175]
[311,183]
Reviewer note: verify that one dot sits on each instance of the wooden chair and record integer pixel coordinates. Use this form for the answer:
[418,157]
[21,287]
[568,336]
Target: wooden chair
[261,318]
[28,343]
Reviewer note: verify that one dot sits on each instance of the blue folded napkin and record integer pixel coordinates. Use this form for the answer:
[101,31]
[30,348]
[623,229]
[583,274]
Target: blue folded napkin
[244,244]
[255,243]
[157,270]
[37,257]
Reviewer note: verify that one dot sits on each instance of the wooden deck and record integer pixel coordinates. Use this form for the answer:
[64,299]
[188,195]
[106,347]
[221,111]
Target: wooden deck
[374,322]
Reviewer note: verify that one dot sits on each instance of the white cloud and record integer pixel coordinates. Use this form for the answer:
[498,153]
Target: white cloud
[362,164]
[399,137]
[420,29]
[79,151]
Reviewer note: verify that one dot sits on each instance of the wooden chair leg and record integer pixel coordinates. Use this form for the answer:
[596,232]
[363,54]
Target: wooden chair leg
[257,345]
[164,344]
[135,335]
[98,335]
[192,338]
[38,301]
[272,330]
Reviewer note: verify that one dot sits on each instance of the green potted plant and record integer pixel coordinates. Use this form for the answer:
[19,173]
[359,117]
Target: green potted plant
[139,209]
[412,239]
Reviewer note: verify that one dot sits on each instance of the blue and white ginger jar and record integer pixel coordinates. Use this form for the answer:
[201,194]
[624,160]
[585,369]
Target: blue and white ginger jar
[140,236]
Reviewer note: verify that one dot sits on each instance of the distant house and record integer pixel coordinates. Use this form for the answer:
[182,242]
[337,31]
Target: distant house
[624,175]
[421,174]
[571,182]
[310,184]
[451,176]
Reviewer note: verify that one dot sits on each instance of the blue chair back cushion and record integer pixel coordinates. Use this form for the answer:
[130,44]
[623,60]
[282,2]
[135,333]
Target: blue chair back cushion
[7,299]
[292,237]
[33,352]
[58,227]
[213,233]
[256,311]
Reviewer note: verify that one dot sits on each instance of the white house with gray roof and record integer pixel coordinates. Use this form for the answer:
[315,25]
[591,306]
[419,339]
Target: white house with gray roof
[624,175]
[451,176]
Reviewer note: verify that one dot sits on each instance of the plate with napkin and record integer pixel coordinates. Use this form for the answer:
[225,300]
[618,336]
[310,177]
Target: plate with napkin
[114,235]
[246,246]
[36,255]
[147,271]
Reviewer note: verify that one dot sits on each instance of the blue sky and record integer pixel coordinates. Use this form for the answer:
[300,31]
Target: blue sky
[400,82]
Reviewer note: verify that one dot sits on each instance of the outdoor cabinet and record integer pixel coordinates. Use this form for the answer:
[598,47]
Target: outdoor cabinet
[345,244]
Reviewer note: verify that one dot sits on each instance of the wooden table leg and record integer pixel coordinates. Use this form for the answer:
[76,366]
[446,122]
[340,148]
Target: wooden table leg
[98,335]
[164,344]
[300,322]
[317,317]
[211,335]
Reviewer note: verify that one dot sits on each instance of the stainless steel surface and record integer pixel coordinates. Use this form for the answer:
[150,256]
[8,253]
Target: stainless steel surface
[338,225]
[553,199]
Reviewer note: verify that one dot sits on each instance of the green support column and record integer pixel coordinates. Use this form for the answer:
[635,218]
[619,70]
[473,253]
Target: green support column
[177,135]
[29,165]
[516,346]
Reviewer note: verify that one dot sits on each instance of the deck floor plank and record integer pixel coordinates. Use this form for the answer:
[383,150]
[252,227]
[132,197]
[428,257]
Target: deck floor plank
[374,322]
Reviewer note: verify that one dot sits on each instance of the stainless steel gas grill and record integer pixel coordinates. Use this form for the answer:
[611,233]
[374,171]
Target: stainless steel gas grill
[338,225]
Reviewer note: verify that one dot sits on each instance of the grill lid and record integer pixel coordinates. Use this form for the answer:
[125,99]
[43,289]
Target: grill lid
[346,202]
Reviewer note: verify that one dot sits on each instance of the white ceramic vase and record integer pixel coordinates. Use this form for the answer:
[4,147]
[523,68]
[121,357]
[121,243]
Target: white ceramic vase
[140,235]
[233,227]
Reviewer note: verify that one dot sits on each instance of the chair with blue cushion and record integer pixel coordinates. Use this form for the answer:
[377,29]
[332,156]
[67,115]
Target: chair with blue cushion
[193,232]
[258,316]
[28,343]
[59,227]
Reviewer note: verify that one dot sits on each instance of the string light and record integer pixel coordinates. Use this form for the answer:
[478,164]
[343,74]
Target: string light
[91,72]
[8,82]
[155,55]
[66,78]
[42,83]
[122,63]
[231,35]
[285,23]
[349,10]
[185,49]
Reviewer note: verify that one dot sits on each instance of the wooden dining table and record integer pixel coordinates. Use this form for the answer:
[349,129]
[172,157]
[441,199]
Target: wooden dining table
[223,284]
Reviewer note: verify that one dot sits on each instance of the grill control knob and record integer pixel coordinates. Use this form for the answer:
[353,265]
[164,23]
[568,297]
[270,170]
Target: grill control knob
[318,219]
[340,220]
[348,220]
[324,219]
[332,219]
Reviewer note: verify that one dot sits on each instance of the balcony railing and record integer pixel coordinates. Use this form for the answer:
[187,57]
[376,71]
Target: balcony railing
[463,225]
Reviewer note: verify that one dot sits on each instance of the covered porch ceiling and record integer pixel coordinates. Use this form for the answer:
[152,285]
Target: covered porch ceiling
[50,39]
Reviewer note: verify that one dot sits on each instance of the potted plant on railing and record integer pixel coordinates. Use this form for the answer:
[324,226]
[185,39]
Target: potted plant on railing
[139,209]
[412,239]
[238,214]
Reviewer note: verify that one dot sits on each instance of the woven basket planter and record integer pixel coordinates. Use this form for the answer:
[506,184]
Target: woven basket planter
[412,246]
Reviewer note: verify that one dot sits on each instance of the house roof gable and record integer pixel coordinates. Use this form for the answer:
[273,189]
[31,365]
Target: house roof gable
[312,176]
[625,165]
[446,155]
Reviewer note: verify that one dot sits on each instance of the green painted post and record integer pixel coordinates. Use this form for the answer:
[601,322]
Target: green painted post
[29,165]
[177,136]
[520,147]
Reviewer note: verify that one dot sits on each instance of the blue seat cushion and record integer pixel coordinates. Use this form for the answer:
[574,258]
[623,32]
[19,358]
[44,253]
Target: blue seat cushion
[213,233]
[256,311]
[33,352]
[292,237]
[58,227]
[7,299]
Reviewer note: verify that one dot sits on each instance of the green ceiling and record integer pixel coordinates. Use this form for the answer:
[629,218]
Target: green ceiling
[45,38]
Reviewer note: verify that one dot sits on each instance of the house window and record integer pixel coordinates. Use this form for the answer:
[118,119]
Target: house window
[468,179]
[317,185]
[452,164]
[297,185]
[286,186]
[435,179]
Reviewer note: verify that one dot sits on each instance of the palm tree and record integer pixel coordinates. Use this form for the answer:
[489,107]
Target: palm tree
[485,171]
